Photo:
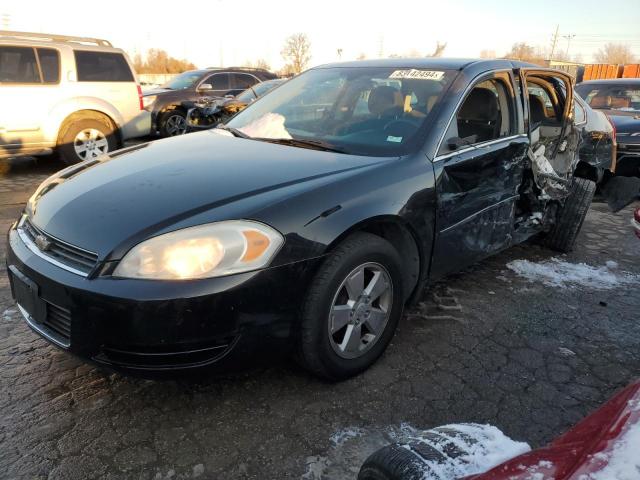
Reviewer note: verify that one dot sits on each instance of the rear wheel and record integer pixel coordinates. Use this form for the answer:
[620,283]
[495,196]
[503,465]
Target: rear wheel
[352,308]
[86,137]
[571,215]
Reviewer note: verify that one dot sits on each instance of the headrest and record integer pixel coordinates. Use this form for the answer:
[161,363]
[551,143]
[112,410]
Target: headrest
[481,104]
[383,98]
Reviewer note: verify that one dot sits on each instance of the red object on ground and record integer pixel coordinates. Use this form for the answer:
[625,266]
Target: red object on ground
[636,222]
[583,450]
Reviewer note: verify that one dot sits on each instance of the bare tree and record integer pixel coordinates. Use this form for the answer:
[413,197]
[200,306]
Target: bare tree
[297,51]
[526,53]
[362,56]
[260,63]
[438,50]
[615,53]
[159,61]
[487,53]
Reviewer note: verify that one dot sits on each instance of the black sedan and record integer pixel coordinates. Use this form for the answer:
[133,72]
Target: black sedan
[306,223]
[619,99]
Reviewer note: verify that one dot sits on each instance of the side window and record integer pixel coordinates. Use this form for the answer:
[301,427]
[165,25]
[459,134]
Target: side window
[486,113]
[49,64]
[242,81]
[102,67]
[18,65]
[218,81]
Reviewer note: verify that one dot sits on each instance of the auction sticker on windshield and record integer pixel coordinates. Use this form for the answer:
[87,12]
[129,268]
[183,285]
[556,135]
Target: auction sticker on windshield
[418,74]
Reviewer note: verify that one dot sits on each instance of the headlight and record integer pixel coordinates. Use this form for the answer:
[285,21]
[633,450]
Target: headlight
[204,251]
[148,100]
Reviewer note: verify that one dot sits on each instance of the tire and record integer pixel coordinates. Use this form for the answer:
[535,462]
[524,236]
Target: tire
[321,352]
[172,123]
[393,462]
[78,131]
[562,236]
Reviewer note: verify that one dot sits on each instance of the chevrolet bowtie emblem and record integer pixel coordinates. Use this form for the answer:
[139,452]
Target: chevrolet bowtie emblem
[42,242]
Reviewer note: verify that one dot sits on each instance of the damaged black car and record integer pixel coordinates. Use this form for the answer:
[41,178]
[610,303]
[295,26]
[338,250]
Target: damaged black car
[306,223]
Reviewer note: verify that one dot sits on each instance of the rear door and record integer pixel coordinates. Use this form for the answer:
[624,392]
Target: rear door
[107,76]
[549,122]
[29,88]
[241,81]
[479,168]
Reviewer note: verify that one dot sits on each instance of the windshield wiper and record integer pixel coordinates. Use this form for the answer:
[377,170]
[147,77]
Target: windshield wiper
[304,143]
[234,131]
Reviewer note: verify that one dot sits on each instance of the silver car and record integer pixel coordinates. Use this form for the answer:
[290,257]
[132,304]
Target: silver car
[78,96]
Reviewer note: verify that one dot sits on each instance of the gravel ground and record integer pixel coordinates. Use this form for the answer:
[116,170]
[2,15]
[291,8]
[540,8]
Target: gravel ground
[485,346]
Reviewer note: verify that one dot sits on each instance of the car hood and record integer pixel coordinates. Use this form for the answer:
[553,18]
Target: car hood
[150,187]
[627,126]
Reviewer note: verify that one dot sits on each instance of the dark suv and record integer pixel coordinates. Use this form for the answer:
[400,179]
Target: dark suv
[169,104]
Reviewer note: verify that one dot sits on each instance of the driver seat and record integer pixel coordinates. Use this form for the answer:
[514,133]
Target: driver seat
[384,101]
[479,116]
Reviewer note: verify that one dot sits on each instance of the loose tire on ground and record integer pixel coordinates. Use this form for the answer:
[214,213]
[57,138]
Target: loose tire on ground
[167,123]
[571,215]
[315,350]
[76,124]
[393,462]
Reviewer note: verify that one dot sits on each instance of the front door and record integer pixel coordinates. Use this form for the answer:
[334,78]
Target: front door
[478,171]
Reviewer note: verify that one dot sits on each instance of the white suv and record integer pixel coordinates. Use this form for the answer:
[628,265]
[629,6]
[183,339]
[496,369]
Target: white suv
[76,95]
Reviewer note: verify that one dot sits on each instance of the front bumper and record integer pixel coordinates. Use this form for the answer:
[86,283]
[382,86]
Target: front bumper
[161,326]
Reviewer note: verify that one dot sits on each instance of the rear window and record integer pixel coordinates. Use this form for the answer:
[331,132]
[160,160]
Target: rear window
[18,65]
[49,65]
[102,67]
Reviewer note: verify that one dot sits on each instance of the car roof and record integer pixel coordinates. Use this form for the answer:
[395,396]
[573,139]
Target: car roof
[612,81]
[433,62]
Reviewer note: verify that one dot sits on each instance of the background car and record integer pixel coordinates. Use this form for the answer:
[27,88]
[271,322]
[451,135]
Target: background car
[169,104]
[76,95]
[619,98]
[208,113]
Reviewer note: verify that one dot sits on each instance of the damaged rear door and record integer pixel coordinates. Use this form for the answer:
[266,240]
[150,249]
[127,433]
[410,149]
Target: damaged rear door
[479,168]
[554,137]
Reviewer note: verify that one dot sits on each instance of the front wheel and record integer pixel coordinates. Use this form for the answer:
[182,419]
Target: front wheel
[352,308]
[571,215]
[173,123]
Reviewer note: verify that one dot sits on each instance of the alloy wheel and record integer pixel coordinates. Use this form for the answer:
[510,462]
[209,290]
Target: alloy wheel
[90,143]
[360,310]
[176,125]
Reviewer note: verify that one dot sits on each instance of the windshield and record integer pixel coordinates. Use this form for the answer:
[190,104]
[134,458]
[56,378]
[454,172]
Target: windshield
[183,81]
[359,110]
[611,97]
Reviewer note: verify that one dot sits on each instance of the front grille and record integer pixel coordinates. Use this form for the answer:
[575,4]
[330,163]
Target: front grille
[629,147]
[58,320]
[62,252]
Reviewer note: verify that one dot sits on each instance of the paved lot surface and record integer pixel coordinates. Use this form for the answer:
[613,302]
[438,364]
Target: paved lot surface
[483,346]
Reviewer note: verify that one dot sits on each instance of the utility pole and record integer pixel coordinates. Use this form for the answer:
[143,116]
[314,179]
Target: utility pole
[554,41]
[568,37]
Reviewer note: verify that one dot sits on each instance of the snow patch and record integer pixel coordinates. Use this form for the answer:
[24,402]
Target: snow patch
[341,436]
[623,459]
[558,273]
[484,447]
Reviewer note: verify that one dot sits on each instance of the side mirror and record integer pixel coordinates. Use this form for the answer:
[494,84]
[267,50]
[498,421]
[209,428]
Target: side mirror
[205,87]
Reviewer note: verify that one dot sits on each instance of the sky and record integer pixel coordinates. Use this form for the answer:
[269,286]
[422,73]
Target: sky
[228,32]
